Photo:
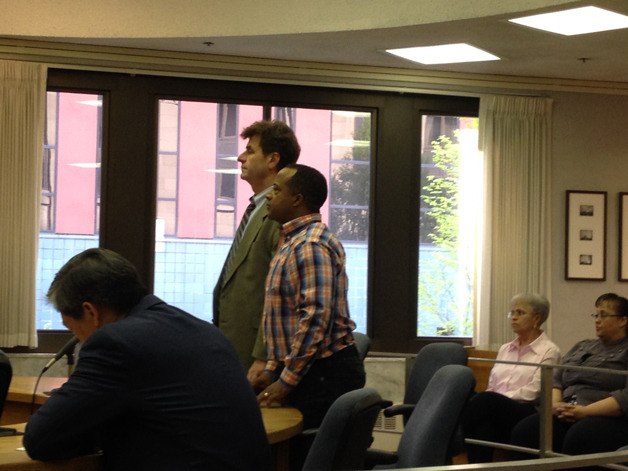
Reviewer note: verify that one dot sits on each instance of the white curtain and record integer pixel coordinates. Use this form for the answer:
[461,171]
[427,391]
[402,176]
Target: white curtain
[515,136]
[22,111]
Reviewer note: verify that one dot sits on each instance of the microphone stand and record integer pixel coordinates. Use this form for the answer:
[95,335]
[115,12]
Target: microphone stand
[70,358]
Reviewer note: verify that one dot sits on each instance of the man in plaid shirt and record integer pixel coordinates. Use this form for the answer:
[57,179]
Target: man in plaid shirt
[311,356]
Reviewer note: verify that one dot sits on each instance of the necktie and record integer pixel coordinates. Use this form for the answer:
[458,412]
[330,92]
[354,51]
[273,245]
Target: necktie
[238,235]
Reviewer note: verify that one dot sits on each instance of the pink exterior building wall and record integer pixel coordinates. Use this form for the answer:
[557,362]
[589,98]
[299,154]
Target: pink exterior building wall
[77,154]
[196,181]
[313,129]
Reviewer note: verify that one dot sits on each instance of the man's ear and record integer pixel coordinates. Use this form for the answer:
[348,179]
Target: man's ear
[273,160]
[298,200]
[92,313]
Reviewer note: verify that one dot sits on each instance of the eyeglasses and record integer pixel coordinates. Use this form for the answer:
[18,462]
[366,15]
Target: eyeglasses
[517,313]
[603,315]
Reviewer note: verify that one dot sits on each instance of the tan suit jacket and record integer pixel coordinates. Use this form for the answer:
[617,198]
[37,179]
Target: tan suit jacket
[239,299]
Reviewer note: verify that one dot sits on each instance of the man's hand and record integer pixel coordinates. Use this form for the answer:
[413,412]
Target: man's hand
[274,395]
[262,381]
[256,369]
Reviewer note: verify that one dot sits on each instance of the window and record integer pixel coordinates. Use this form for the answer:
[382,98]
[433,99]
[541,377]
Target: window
[350,175]
[70,204]
[199,197]
[376,213]
[198,168]
[450,195]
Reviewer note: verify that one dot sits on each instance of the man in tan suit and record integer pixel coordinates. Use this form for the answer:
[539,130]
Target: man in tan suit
[239,293]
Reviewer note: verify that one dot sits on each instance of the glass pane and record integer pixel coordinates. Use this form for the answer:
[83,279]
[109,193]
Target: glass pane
[451,195]
[70,197]
[200,197]
[338,144]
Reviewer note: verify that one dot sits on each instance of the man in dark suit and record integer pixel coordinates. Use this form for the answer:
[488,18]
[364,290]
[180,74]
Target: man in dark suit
[155,388]
[239,292]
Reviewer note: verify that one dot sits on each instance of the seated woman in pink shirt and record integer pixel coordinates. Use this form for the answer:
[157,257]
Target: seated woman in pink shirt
[513,390]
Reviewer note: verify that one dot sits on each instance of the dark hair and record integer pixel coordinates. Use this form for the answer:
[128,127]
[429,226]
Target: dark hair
[311,184]
[275,136]
[619,303]
[99,276]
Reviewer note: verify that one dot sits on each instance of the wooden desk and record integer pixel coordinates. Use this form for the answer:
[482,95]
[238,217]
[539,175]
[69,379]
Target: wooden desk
[14,458]
[17,408]
[281,424]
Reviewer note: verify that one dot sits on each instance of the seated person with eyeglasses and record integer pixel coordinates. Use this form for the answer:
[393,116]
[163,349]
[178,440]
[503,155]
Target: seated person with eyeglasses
[513,390]
[590,410]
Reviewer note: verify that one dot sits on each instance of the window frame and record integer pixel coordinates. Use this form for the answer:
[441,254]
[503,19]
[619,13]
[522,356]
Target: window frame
[130,112]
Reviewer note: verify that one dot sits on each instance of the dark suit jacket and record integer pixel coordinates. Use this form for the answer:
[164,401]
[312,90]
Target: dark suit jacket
[158,390]
[239,300]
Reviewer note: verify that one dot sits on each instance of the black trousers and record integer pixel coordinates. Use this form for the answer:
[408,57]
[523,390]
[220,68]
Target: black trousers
[491,416]
[588,435]
[327,379]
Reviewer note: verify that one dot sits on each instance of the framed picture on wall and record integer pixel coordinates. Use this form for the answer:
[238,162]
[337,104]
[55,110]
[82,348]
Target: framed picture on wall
[623,237]
[585,241]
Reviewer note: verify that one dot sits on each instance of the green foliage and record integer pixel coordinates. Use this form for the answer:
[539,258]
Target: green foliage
[441,193]
[439,281]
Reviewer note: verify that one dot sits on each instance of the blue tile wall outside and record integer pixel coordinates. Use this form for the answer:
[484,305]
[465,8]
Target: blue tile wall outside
[185,274]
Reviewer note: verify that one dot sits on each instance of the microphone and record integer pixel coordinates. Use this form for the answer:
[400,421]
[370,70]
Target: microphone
[67,349]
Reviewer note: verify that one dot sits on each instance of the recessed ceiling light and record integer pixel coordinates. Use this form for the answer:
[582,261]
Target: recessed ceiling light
[575,21]
[443,54]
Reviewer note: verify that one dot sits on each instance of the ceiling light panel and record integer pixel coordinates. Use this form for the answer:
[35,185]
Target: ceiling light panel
[443,54]
[575,21]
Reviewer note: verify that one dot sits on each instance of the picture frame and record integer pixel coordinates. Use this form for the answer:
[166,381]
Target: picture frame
[623,237]
[585,240]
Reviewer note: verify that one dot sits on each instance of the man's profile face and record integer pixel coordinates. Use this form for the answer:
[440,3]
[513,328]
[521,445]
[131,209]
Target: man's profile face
[92,319]
[82,327]
[281,200]
[253,163]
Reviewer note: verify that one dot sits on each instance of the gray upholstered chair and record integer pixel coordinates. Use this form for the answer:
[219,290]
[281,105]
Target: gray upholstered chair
[362,343]
[345,433]
[433,422]
[428,361]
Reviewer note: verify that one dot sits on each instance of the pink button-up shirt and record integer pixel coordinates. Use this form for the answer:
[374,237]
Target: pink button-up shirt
[522,383]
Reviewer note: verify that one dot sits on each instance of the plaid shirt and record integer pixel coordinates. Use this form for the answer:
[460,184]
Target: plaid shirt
[306,315]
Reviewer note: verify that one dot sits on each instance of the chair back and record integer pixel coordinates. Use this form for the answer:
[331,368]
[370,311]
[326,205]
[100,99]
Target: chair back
[345,433]
[426,437]
[6,373]
[428,361]
[362,344]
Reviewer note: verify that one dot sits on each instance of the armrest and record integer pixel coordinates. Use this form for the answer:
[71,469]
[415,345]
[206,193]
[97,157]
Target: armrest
[404,409]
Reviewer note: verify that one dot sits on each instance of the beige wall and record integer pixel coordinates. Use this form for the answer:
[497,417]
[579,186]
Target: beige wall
[590,152]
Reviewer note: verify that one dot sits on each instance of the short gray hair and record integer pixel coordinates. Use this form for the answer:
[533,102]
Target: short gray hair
[539,304]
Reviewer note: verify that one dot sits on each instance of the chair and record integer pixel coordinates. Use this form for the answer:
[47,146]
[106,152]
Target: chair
[345,433]
[362,343]
[6,373]
[433,422]
[428,361]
